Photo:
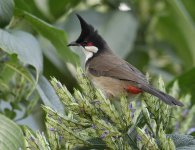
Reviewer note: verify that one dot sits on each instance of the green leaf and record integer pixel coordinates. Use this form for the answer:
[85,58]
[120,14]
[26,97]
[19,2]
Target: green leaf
[9,113]
[48,95]
[181,38]
[11,136]
[55,65]
[3,87]
[56,36]
[139,58]
[120,31]
[189,5]
[183,142]
[31,7]
[165,30]
[186,82]
[24,45]
[60,7]
[185,24]
[14,65]
[6,73]
[6,11]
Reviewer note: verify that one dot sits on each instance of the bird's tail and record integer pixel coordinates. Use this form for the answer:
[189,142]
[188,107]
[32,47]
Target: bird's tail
[161,95]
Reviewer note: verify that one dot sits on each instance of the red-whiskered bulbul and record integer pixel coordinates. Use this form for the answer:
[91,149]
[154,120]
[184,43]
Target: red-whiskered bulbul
[109,72]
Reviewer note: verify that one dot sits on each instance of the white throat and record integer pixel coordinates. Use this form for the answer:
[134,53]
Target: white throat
[89,52]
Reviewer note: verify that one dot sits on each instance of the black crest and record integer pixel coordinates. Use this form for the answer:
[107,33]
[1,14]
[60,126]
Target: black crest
[86,29]
[89,33]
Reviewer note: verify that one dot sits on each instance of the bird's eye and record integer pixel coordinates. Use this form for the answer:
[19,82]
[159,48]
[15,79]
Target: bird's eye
[84,43]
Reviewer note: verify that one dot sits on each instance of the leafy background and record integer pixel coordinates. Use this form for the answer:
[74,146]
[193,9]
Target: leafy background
[157,36]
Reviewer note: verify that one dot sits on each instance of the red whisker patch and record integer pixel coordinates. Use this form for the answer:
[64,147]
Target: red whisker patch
[89,44]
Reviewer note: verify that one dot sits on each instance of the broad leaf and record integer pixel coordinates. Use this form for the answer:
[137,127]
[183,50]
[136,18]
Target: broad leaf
[24,45]
[186,83]
[14,65]
[48,95]
[120,31]
[56,36]
[31,7]
[11,136]
[6,73]
[50,52]
[185,24]
[189,5]
[183,142]
[181,37]
[58,8]
[6,11]
[138,57]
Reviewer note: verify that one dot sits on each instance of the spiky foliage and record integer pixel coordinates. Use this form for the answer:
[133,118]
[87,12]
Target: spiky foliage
[185,114]
[36,141]
[91,121]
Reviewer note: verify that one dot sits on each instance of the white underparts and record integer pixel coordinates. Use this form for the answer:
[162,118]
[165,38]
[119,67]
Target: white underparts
[89,51]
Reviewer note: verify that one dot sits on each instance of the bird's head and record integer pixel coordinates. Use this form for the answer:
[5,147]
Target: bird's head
[89,39]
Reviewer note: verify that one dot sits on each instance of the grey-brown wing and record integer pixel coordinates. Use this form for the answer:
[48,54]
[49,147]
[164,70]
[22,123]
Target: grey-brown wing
[113,66]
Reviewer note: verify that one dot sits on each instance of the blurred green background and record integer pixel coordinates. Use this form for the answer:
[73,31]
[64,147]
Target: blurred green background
[156,36]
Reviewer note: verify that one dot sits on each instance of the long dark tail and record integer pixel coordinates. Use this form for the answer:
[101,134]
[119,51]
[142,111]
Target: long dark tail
[162,96]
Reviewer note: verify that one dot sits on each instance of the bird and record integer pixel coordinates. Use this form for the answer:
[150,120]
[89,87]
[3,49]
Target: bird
[110,73]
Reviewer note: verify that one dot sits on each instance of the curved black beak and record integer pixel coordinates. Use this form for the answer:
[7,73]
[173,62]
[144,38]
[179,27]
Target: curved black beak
[73,44]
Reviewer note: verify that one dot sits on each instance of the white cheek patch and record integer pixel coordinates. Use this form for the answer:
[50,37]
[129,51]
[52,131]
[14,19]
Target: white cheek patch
[91,49]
